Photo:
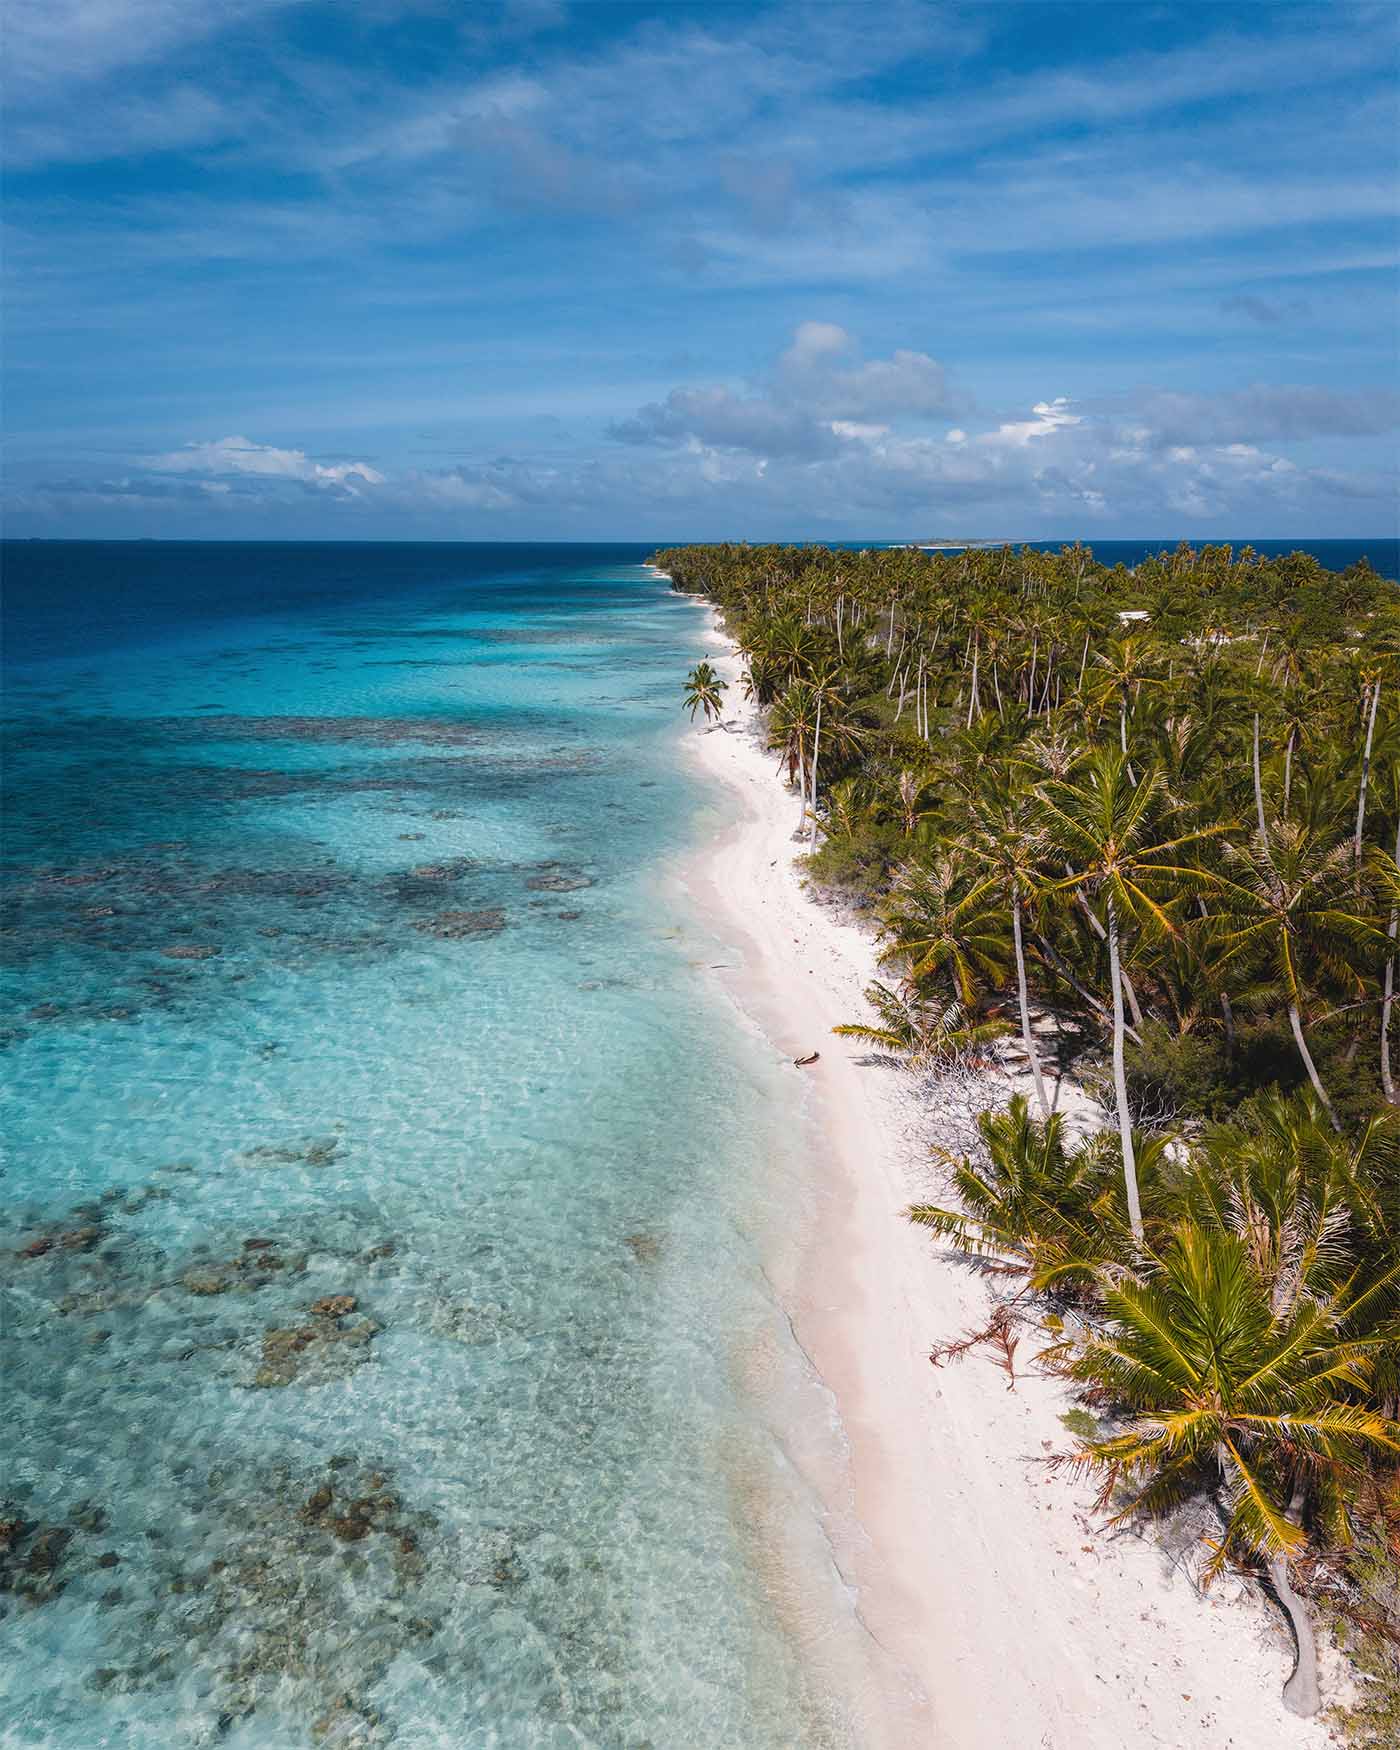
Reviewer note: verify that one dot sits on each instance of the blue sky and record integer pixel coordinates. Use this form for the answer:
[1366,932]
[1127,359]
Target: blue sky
[552,269]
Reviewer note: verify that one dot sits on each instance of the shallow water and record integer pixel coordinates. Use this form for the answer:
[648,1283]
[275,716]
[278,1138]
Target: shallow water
[386,1187]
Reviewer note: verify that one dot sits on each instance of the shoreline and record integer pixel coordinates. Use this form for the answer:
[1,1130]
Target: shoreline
[998,1614]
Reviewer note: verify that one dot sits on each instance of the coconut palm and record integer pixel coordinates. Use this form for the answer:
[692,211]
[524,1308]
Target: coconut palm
[1262,1405]
[941,920]
[1307,1203]
[704,691]
[852,804]
[920,1027]
[1101,824]
[1291,911]
[1005,843]
[1045,1205]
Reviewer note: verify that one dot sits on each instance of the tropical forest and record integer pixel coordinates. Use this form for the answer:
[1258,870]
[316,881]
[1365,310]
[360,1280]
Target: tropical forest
[1139,828]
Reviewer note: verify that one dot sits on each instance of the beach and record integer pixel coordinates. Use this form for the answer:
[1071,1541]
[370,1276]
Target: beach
[999,1612]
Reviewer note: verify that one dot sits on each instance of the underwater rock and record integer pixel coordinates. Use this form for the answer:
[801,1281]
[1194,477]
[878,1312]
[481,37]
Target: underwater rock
[568,917]
[557,880]
[30,1557]
[75,1239]
[645,1248]
[316,1353]
[311,1151]
[191,951]
[317,1502]
[455,926]
[255,1266]
[207,1282]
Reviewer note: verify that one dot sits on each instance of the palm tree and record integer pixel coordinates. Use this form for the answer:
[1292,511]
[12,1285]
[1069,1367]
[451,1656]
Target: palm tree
[704,691]
[792,727]
[851,805]
[918,1027]
[1289,904]
[1100,823]
[1125,667]
[941,919]
[1046,1206]
[1306,1202]
[1263,1405]
[1005,843]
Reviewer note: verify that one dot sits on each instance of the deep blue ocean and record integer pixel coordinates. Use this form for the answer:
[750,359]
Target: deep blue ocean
[386,1184]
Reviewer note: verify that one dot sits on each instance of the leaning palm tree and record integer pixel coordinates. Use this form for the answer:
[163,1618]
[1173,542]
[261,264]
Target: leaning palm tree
[1289,904]
[1100,825]
[1263,1405]
[921,1028]
[704,691]
[1046,1207]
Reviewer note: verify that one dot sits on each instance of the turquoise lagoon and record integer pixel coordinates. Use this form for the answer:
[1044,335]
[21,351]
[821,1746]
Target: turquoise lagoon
[386,1184]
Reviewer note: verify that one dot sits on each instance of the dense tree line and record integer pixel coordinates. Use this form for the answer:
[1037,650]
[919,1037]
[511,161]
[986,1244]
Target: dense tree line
[1163,807]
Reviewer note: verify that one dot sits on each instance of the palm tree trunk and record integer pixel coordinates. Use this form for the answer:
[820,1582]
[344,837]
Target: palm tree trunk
[1102,935]
[1295,1021]
[1365,774]
[1120,1079]
[974,704]
[816,749]
[1300,1693]
[1258,787]
[1027,1038]
[1288,770]
[1388,995]
[1058,964]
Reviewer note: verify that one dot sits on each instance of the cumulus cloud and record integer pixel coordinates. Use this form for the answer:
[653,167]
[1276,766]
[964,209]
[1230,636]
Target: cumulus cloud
[1049,416]
[839,437]
[720,418]
[828,441]
[240,456]
[819,395]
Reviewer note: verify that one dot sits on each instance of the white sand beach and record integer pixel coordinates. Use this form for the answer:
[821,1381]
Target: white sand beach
[1011,1618]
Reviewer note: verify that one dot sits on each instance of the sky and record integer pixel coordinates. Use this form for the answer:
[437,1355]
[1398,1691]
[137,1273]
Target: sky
[563,269]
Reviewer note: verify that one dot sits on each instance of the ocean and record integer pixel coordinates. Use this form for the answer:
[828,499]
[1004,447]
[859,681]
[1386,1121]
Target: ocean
[386,1183]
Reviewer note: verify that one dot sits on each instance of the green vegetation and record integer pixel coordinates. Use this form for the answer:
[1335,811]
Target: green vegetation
[1162,806]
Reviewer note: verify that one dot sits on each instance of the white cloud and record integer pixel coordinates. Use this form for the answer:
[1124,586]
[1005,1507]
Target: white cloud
[1050,416]
[238,455]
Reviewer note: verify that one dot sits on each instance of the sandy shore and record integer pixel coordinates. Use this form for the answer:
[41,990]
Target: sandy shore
[999,1615]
